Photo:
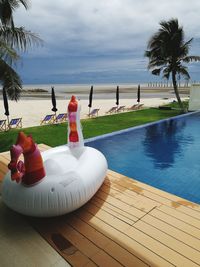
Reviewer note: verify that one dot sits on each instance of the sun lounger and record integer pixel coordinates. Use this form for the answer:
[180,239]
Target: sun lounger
[2,125]
[121,108]
[134,107]
[15,123]
[94,112]
[112,110]
[140,106]
[61,118]
[48,119]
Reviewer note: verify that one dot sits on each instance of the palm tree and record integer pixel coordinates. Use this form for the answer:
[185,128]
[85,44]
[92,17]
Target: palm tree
[167,50]
[12,41]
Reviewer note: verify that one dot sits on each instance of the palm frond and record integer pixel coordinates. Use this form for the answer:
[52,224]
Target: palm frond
[8,54]
[7,7]
[156,71]
[19,38]
[167,71]
[10,80]
[183,71]
[191,58]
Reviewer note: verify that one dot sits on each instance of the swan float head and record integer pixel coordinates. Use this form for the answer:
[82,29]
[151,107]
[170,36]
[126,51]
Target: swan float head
[31,171]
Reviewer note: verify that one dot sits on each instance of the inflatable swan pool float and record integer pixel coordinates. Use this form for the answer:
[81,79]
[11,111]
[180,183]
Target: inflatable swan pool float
[57,181]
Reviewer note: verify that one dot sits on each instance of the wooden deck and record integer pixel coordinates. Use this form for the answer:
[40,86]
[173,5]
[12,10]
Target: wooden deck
[127,223]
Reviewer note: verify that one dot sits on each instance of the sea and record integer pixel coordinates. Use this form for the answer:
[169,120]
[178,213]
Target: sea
[100,91]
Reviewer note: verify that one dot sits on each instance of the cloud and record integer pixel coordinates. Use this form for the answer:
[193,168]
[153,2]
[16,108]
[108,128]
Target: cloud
[113,28]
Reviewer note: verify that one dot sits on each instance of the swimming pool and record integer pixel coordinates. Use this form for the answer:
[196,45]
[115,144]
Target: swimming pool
[164,154]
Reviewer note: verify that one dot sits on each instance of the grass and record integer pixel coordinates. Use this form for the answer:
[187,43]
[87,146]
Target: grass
[176,106]
[54,135]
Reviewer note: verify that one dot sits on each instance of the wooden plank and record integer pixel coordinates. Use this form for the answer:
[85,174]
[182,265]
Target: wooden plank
[43,147]
[139,202]
[5,154]
[90,264]
[155,194]
[139,197]
[106,244]
[120,204]
[181,205]
[3,167]
[181,216]
[172,231]
[81,244]
[105,216]
[102,259]
[124,215]
[122,239]
[51,232]
[188,253]
[159,248]
[4,160]
[183,226]
[139,236]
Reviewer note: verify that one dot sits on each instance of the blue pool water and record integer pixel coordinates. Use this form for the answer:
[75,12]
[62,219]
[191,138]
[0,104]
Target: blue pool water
[165,155]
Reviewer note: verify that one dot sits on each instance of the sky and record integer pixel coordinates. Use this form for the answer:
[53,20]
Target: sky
[99,41]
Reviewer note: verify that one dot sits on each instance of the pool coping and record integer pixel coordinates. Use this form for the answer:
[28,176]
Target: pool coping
[99,137]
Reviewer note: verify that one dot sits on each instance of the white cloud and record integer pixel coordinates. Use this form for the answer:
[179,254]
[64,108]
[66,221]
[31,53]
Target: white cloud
[103,27]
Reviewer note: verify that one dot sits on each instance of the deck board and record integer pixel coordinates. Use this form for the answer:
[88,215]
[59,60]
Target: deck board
[126,223]
[153,193]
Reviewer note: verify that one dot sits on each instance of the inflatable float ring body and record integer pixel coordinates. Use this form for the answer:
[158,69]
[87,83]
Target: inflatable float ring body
[58,180]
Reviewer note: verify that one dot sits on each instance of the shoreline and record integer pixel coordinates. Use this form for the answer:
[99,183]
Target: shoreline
[105,93]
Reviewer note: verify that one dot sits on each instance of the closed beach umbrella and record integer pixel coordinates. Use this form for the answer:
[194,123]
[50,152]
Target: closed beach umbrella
[5,101]
[138,94]
[90,98]
[53,99]
[117,96]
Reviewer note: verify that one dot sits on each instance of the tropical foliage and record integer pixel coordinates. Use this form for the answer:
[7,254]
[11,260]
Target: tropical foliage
[13,40]
[167,51]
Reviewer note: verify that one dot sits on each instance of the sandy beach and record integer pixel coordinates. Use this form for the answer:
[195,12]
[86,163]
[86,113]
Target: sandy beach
[35,101]
[32,111]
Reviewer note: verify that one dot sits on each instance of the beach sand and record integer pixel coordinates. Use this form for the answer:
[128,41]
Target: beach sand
[33,111]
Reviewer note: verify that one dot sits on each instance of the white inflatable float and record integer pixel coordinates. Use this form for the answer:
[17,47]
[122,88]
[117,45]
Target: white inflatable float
[57,181]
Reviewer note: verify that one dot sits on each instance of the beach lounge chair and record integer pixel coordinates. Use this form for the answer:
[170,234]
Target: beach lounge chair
[48,119]
[134,107]
[94,112]
[15,123]
[121,108]
[112,110]
[3,125]
[140,106]
[61,118]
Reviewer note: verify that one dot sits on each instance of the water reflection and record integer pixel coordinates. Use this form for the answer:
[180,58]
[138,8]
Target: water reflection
[164,141]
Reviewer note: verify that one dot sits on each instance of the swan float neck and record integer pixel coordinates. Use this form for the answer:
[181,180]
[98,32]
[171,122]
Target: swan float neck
[75,136]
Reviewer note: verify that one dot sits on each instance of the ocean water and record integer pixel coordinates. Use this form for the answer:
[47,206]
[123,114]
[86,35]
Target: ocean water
[101,91]
[84,88]
[165,155]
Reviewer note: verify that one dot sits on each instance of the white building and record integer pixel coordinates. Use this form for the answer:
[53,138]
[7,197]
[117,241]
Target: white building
[194,102]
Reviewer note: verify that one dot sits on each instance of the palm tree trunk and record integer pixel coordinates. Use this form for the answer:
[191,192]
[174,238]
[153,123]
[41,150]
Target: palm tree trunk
[176,91]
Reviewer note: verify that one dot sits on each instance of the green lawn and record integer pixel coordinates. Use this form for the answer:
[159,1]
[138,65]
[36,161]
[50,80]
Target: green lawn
[55,135]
